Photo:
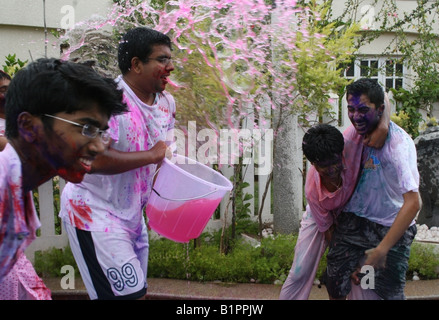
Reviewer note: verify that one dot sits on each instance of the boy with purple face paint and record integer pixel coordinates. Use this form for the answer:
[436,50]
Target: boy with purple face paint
[330,182]
[376,227]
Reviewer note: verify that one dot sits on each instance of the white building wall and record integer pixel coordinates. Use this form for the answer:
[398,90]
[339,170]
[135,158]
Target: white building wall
[22,24]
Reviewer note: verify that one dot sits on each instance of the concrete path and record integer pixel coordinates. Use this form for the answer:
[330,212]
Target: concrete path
[170,289]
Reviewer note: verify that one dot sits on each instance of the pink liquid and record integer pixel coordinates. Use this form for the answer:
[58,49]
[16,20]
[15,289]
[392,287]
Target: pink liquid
[183,223]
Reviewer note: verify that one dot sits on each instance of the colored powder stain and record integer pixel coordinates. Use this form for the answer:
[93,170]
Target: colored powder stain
[72,176]
[15,195]
[375,160]
[84,213]
[78,223]
[298,266]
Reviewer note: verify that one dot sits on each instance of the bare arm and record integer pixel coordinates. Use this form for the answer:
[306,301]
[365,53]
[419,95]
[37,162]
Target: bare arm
[114,161]
[377,256]
[3,142]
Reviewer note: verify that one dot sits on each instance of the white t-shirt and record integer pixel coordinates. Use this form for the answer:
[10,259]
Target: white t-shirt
[114,203]
[387,174]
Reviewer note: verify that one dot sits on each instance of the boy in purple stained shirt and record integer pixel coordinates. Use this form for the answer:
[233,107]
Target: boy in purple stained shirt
[376,227]
[104,214]
[330,182]
[335,159]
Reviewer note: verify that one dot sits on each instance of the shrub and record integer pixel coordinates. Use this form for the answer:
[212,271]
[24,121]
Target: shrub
[424,260]
[49,263]
[266,263]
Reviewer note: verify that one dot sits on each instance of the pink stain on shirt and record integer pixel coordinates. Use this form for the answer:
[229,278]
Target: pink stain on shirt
[83,214]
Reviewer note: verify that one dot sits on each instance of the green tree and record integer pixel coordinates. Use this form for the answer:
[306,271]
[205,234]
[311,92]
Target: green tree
[12,64]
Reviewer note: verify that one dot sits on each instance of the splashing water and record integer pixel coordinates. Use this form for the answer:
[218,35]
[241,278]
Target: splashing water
[248,46]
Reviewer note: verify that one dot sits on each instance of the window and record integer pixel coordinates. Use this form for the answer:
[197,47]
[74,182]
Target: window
[388,72]
[394,74]
[369,69]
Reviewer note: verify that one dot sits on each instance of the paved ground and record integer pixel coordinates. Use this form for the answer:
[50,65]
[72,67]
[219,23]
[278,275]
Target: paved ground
[169,289]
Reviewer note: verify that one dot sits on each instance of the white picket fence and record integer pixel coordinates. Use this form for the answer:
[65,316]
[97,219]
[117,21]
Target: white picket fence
[48,236]
[52,235]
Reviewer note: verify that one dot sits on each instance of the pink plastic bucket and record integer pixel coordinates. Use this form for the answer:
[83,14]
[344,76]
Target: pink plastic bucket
[184,197]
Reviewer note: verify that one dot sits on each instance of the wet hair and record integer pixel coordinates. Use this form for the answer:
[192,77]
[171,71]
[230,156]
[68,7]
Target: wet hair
[52,85]
[4,75]
[321,142]
[369,87]
[139,42]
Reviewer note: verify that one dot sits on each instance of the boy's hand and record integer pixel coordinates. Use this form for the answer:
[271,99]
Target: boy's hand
[375,258]
[159,151]
[328,234]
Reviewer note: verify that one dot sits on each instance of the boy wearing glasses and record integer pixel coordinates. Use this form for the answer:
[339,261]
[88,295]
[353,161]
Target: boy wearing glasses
[104,214]
[42,102]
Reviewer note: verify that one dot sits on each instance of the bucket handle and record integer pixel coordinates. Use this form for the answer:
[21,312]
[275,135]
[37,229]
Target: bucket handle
[186,199]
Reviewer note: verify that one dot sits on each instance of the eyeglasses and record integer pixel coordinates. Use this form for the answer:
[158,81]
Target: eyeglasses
[88,130]
[163,60]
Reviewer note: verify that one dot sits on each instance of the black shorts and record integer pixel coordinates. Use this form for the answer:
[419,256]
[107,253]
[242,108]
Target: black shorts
[354,235]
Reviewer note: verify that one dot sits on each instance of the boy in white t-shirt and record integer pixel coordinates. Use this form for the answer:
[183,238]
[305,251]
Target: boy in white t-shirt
[104,214]
[376,227]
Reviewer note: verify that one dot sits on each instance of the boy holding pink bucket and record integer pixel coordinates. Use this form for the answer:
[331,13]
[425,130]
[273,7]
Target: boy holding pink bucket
[104,214]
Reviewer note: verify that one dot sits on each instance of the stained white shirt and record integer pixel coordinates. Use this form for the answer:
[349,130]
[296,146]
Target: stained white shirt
[114,203]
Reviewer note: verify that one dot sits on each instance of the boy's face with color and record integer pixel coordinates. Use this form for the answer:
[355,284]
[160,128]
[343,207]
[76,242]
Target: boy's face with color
[330,168]
[157,69]
[363,114]
[66,149]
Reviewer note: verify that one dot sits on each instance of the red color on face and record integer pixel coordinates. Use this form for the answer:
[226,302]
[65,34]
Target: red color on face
[71,175]
[156,72]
